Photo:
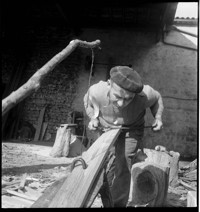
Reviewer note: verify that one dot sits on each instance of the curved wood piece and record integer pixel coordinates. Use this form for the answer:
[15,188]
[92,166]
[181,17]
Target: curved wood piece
[34,83]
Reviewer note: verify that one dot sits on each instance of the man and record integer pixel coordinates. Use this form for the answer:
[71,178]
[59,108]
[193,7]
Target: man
[122,102]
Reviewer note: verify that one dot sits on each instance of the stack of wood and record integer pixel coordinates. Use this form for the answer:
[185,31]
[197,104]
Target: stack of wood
[188,174]
[188,179]
[21,193]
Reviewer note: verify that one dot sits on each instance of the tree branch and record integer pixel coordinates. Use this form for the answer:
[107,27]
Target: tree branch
[34,83]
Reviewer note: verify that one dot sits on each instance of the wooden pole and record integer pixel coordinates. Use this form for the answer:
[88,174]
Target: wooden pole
[34,83]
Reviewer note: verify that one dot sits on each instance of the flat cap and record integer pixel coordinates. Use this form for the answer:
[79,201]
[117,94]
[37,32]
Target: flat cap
[126,78]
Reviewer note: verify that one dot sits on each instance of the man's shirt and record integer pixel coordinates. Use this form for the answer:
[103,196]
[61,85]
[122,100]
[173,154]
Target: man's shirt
[96,102]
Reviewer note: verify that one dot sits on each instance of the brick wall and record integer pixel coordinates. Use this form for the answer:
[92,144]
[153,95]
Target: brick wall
[57,91]
[58,88]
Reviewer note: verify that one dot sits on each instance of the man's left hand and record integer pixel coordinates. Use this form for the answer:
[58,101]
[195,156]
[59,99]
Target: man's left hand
[157,125]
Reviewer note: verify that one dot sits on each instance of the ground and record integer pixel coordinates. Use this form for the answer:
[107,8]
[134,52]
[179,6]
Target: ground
[33,159]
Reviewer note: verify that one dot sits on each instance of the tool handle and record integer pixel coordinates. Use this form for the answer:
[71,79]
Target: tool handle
[83,163]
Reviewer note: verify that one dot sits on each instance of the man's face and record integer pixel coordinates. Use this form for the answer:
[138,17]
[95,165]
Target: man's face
[119,97]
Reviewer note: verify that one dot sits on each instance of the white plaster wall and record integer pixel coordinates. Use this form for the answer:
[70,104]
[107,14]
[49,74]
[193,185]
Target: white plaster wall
[170,70]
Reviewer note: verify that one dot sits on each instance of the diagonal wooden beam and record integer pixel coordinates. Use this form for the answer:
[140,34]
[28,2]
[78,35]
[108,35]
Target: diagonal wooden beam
[34,83]
[76,187]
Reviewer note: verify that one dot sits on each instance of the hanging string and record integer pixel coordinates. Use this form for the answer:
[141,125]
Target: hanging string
[91,69]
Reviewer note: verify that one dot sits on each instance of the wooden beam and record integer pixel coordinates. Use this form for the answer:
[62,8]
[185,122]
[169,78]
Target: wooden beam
[76,187]
[192,199]
[34,83]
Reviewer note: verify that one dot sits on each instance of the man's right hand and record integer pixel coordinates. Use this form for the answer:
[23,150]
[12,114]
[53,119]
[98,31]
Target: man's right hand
[93,124]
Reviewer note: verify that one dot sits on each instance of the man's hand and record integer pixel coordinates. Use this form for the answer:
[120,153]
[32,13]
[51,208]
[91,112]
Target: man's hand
[157,125]
[93,124]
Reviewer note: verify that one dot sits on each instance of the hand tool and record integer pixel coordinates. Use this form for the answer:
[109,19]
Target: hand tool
[122,128]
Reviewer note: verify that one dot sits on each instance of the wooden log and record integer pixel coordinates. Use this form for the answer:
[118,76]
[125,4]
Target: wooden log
[62,141]
[171,159]
[192,199]
[149,185]
[149,180]
[74,191]
[34,83]
[66,145]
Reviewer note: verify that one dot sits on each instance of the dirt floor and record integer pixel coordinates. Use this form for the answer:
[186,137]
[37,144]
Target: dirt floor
[33,159]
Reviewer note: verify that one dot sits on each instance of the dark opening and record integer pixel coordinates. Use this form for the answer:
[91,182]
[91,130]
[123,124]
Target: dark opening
[145,182]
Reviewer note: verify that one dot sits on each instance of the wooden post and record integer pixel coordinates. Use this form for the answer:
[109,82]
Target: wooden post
[62,141]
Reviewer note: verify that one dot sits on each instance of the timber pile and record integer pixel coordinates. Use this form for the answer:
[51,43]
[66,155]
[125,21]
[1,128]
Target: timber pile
[21,193]
[184,194]
[188,175]
[188,179]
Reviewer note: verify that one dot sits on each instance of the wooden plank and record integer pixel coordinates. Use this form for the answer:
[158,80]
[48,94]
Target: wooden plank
[16,202]
[8,202]
[49,193]
[44,127]
[187,186]
[75,189]
[25,202]
[21,195]
[94,189]
[23,181]
[32,192]
[6,184]
[39,125]
[192,199]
